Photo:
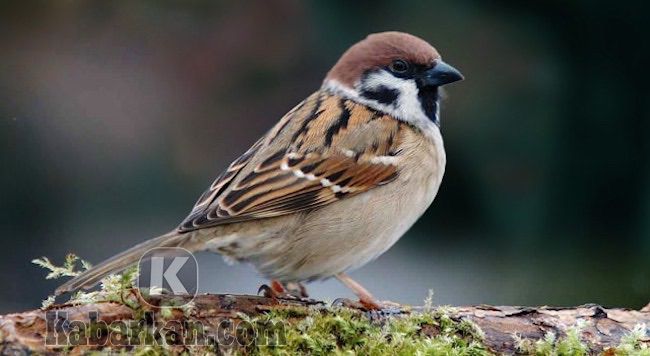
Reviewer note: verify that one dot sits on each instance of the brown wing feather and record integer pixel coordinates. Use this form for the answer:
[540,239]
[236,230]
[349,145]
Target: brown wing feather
[290,189]
[336,149]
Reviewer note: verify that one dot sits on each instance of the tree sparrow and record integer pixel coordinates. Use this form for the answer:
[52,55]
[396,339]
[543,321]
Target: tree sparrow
[335,183]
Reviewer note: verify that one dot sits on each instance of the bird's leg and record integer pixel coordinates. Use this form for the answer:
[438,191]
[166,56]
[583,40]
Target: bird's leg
[278,287]
[365,298]
[366,301]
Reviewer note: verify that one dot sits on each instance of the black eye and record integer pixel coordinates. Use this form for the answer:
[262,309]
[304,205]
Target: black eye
[399,66]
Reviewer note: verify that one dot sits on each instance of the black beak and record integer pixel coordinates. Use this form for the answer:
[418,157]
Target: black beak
[440,74]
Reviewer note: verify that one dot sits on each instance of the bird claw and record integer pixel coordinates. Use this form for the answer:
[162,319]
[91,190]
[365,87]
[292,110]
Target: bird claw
[266,291]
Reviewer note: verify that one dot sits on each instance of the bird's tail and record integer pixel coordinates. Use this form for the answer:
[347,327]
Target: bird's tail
[121,261]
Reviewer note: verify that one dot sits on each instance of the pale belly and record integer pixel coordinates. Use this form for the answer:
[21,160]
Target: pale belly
[348,234]
[342,236]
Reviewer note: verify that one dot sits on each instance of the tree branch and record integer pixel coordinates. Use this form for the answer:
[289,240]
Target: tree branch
[220,323]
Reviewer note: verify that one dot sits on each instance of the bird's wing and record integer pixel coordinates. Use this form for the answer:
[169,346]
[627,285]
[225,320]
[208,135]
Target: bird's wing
[326,149]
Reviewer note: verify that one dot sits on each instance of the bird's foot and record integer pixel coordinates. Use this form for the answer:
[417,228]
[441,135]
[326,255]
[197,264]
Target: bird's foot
[265,291]
[367,302]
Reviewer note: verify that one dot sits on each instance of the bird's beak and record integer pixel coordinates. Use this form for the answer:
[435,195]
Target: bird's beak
[440,74]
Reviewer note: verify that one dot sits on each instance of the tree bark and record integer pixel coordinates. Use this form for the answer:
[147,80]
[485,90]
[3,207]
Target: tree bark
[48,331]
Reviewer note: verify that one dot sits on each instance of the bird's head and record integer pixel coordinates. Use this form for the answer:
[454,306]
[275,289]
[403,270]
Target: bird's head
[393,72]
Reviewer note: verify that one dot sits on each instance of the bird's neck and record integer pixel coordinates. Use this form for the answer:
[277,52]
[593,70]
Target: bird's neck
[420,110]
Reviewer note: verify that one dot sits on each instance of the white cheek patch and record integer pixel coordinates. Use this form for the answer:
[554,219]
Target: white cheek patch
[407,107]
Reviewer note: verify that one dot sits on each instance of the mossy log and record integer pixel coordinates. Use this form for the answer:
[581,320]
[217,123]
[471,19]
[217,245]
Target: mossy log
[236,323]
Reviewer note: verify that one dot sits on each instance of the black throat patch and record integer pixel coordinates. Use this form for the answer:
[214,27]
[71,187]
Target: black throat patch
[429,97]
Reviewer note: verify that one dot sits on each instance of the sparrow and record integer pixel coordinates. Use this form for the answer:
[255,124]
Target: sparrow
[335,183]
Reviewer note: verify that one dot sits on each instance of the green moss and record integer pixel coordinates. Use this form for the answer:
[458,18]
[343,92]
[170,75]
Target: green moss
[306,330]
[321,330]
[633,343]
[344,331]
[572,344]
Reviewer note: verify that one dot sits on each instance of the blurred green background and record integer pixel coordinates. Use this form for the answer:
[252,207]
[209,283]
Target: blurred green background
[115,115]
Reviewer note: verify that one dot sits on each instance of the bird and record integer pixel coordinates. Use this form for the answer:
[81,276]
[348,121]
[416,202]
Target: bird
[334,183]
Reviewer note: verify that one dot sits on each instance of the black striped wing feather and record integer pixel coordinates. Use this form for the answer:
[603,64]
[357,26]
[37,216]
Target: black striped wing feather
[279,176]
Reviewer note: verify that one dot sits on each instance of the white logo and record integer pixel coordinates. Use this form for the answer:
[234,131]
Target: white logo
[169,271]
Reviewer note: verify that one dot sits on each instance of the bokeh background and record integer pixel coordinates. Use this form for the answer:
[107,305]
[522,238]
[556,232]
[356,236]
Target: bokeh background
[116,115]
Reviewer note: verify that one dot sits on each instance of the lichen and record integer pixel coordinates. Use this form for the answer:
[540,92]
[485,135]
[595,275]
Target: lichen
[68,269]
[114,288]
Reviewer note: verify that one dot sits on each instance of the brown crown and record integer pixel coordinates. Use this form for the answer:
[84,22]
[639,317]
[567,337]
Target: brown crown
[379,50]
